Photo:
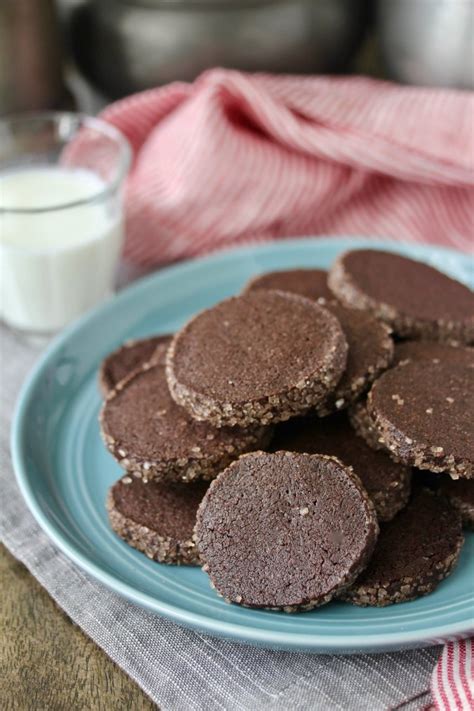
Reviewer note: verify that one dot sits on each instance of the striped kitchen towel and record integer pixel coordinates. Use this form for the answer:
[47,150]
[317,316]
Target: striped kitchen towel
[237,157]
[452,684]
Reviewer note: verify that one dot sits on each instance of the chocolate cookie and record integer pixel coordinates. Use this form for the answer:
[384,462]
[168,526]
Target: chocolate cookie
[370,345]
[387,483]
[370,353]
[424,414]
[157,518]
[285,531]
[126,359]
[154,438]
[416,300]
[311,283]
[414,552]
[406,351]
[257,358]
[461,497]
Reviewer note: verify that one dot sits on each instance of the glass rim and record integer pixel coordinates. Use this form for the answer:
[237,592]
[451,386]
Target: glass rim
[99,125]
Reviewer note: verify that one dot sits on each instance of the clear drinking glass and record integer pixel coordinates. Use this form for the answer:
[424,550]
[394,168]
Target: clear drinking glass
[61,217]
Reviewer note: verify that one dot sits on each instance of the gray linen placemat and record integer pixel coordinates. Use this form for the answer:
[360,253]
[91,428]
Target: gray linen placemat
[180,669]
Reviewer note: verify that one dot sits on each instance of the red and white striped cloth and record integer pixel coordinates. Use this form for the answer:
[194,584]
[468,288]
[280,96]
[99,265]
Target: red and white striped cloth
[236,157]
[452,684]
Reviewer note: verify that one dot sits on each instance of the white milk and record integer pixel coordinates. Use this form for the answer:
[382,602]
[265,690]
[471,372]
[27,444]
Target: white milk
[58,263]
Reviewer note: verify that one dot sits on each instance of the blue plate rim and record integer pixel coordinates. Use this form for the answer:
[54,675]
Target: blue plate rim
[239,632]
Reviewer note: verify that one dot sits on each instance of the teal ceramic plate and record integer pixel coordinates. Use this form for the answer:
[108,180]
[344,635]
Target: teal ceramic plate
[64,471]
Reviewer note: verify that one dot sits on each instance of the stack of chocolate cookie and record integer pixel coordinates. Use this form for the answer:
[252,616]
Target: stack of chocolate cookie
[300,403]
[168,456]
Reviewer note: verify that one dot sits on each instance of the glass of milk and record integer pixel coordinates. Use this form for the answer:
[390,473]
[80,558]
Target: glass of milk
[61,217]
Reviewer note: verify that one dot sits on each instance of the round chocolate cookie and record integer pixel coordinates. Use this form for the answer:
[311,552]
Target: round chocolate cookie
[157,518]
[370,345]
[257,358]
[461,497]
[370,353]
[311,283]
[406,351]
[285,531]
[127,358]
[424,414]
[154,438]
[414,552]
[386,482]
[416,300]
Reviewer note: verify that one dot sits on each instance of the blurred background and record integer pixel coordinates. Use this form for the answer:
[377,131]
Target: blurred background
[81,54]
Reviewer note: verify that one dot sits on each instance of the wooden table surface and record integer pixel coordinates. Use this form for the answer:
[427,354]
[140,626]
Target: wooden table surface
[46,662]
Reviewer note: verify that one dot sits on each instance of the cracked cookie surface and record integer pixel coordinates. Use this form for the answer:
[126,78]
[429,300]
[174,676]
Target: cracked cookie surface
[285,531]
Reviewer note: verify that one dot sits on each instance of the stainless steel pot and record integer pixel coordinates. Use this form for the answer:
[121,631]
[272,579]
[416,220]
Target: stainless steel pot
[124,46]
[428,42]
